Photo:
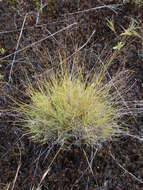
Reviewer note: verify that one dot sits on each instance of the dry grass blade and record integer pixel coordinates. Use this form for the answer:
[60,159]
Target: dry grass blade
[111,7]
[48,169]
[17,46]
[39,41]
[17,171]
[126,171]
[90,166]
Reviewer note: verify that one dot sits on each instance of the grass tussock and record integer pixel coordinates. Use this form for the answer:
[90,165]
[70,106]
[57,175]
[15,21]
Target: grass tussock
[65,108]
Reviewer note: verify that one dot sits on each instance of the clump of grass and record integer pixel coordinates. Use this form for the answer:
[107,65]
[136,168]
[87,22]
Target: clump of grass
[12,1]
[64,109]
[139,2]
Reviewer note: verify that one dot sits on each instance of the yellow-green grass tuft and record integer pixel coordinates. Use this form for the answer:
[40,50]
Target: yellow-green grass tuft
[66,109]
